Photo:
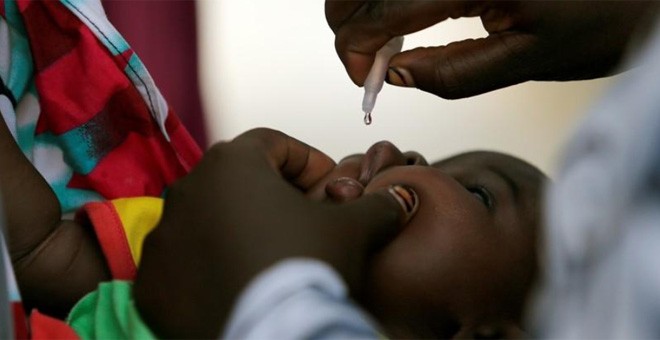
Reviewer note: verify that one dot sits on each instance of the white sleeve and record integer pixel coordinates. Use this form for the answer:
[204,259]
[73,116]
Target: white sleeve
[602,251]
[298,299]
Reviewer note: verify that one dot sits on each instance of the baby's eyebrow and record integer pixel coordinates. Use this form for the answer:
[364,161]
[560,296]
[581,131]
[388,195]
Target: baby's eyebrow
[515,189]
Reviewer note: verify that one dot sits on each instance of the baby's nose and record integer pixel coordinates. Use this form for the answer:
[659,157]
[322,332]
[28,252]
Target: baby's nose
[380,156]
[415,158]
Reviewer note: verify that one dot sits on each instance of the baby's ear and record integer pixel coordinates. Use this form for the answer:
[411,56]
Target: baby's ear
[498,330]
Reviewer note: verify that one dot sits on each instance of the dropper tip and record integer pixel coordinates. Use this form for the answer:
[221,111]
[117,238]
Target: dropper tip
[367,118]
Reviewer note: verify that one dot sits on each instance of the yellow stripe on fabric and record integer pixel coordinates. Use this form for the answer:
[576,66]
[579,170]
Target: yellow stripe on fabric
[138,215]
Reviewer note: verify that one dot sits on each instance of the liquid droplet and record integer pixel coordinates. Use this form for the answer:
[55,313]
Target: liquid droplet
[367,118]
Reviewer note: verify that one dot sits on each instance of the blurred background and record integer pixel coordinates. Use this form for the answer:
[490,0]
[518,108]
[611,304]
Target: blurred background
[230,65]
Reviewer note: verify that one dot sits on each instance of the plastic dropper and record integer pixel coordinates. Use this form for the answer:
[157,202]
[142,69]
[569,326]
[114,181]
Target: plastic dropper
[376,77]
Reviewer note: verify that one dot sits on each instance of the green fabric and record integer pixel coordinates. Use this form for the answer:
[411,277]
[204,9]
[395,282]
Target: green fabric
[109,313]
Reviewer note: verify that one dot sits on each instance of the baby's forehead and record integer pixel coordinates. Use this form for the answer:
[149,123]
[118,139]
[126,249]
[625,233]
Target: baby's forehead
[526,179]
[482,158]
[472,161]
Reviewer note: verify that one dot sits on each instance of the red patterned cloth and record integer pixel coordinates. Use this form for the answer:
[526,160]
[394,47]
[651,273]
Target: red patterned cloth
[100,128]
[86,113]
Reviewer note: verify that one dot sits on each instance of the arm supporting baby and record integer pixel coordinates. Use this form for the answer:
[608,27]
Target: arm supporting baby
[56,261]
[241,210]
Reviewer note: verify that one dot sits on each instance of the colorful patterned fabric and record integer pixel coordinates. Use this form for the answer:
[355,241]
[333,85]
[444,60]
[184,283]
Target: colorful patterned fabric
[12,307]
[46,327]
[13,321]
[109,313]
[121,226]
[86,113]
[82,106]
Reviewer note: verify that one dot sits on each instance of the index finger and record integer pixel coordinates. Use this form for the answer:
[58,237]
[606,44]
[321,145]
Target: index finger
[363,27]
[299,163]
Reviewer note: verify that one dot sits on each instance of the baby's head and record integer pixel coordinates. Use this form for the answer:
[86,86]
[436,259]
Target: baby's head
[465,263]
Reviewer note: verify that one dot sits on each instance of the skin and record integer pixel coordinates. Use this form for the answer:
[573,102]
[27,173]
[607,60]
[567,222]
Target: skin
[189,261]
[241,210]
[540,40]
[527,40]
[56,261]
[463,266]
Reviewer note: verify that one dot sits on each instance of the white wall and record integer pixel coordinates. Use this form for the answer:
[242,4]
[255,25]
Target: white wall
[272,63]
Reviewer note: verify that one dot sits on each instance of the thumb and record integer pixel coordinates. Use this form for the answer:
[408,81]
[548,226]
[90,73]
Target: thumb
[378,216]
[467,68]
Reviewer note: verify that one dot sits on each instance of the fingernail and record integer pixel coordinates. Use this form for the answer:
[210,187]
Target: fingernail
[400,77]
[406,196]
[344,188]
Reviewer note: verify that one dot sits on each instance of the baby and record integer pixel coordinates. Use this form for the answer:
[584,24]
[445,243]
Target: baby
[465,263]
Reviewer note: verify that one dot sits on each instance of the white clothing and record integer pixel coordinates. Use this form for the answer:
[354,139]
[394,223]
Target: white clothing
[298,299]
[602,263]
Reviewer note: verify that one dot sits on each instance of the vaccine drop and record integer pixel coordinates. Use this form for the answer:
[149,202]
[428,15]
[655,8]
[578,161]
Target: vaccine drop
[376,77]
